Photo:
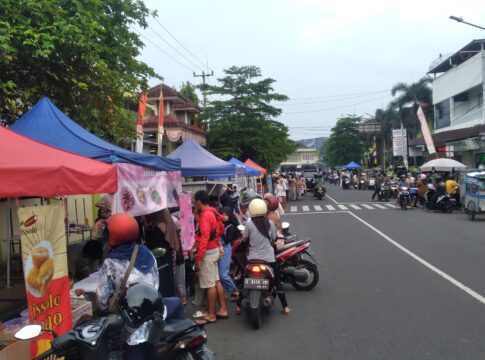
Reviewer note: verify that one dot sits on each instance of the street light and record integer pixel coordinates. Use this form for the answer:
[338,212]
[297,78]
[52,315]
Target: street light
[460,20]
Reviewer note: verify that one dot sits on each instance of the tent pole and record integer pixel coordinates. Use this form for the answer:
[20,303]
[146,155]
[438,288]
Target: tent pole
[9,240]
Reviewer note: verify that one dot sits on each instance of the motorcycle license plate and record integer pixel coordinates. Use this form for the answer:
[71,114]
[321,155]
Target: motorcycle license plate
[260,284]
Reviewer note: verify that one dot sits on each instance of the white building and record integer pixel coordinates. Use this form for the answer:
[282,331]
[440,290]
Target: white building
[301,158]
[458,98]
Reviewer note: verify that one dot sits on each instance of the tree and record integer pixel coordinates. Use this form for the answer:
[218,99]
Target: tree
[242,123]
[188,90]
[81,54]
[409,97]
[345,143]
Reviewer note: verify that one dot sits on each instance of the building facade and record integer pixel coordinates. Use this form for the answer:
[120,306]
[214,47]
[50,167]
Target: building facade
[180,120]
[458,98]
[301,158]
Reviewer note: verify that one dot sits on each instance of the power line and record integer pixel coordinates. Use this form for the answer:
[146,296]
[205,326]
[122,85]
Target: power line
[336,107]
[166,53]
[342,95]
[178,42]
[174,49]
[326,101]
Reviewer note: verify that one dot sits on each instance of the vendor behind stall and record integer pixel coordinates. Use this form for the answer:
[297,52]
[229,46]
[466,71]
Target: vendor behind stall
[84,258]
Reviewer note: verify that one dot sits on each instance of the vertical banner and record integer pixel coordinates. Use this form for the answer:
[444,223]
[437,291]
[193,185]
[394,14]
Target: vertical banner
[44,259]
[139,122]
[187,232]
[161,114]
[428,139]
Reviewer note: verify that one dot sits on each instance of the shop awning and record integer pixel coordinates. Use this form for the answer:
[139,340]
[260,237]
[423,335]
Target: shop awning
[30,168]
[49,125]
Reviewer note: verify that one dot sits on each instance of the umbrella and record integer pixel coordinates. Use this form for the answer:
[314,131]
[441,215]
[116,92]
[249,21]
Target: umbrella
[443,164]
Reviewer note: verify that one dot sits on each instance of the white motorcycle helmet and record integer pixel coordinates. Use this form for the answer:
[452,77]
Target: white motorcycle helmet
[431,187]
[257,208]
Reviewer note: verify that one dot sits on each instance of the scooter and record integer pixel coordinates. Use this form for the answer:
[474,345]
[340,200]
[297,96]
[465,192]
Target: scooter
[102,338]
[394,189]
[319,192]
[443,202]
[404,198]
[383,192]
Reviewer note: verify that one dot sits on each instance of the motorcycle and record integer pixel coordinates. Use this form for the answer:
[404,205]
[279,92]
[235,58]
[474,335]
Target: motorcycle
[383,192]
[394,189]
[319,192]
[346,183]
[102,338]
[443,202]
[404,198]
[258,291]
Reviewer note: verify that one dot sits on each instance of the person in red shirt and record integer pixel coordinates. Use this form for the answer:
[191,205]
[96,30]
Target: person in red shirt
[207,243]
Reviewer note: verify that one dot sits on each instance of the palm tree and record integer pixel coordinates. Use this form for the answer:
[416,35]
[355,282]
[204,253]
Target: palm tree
[409,98]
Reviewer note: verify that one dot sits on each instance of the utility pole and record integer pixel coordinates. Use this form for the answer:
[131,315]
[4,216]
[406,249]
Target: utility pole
[203,76]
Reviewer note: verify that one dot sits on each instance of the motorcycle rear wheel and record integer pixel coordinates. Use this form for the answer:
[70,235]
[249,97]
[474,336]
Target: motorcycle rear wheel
[313,270]
[256,317]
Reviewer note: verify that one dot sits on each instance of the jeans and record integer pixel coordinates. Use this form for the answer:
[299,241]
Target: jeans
[224,267]
[175,309]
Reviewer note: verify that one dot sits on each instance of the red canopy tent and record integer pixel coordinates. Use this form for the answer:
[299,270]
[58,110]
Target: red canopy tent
[30,168]
[252,164]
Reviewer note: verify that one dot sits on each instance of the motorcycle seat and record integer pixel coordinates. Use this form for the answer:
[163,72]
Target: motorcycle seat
[176,326]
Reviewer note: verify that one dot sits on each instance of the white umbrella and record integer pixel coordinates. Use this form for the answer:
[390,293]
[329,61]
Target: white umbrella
[443,164]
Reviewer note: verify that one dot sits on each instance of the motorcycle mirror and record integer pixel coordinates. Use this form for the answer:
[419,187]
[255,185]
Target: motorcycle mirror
[241,228]
[28,332]
[158,252]
[285,225]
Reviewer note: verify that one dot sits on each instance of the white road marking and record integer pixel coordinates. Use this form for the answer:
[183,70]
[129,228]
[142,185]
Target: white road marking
[343,207]
[318,208]
[380,206]
[306,208]
[391,205]
[355,207]
[294,209]
[332,199]
[431,267]
[368,206]
[318,213]
[330,207]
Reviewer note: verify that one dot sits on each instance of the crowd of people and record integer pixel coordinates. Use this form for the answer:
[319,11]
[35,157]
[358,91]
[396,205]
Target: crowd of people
[123,246]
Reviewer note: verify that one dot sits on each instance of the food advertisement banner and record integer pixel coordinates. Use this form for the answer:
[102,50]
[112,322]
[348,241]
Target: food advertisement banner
[143,190]
[187,231]
[44,259]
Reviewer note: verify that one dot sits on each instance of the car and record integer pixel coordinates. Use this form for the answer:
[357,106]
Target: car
[311,178]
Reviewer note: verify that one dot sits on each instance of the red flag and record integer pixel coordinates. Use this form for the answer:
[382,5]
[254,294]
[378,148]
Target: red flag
[139,123]
[161,114]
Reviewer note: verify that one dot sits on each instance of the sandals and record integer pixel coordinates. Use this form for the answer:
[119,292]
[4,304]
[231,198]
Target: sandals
[287,311]
[199,314]
[205,321]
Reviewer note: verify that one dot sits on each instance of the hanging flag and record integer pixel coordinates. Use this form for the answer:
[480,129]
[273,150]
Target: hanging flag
[139,122]
[428,139]
[404,139]
[374,151]
[161,112]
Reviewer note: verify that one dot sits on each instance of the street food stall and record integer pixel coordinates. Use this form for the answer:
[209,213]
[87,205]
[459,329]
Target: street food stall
[29,168]
[474,199]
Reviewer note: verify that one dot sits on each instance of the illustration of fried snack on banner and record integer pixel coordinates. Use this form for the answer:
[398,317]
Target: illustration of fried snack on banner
[40,269]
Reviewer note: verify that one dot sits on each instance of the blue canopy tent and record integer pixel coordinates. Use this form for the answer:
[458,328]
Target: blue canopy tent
[250,171]
[352,166]
[49,125]
[197,161]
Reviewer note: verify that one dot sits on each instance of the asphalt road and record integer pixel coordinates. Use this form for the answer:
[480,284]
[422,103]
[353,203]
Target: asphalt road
[393,285]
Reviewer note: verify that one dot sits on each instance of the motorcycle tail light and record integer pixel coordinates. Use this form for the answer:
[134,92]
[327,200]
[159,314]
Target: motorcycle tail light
[192,343]
[257,269]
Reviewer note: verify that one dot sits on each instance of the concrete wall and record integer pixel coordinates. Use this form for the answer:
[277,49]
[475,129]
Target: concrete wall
[458,79]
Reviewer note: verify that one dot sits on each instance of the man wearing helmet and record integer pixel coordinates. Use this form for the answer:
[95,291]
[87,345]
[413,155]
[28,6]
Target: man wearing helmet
[123,232]
[207,243]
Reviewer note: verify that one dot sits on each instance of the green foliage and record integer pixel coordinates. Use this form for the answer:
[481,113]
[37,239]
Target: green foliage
[188,90]
[345,143]
[79,53]
[242,123]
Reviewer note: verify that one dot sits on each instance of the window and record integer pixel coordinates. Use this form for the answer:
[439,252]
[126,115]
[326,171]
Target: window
[442,114]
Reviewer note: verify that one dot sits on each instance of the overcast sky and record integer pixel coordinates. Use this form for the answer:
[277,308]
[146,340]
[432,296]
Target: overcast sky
[330,57]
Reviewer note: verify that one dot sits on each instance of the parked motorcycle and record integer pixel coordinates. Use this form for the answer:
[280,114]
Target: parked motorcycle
[404,198]
[319,192]
[102,338]
[443,202]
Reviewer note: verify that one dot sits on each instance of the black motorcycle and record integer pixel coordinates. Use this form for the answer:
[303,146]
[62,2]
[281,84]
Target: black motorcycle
[319,192]
[383,193]
[443,202]
[404,199]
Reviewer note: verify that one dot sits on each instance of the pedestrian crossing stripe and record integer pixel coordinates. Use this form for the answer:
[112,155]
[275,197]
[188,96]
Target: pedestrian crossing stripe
[340,207]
